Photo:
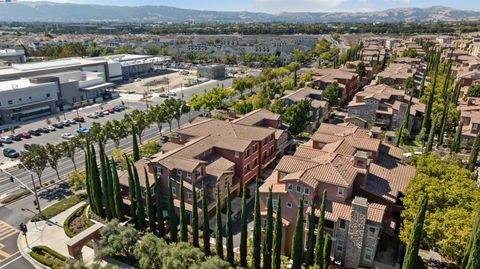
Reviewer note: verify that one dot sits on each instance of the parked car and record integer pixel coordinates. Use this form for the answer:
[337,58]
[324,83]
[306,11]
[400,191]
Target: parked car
[44,130]
[137,79]
[99,113]
[65,122]
[58,125]
[28,146]
[79,119]
[110,110]
[10,153]
[93,115]
[117,108]
[16,137]
[105,113]
[122,107]
[25,135]
[6,139]
[172,94]
[35,132]
[71,121]
[51,128]
[163,95]
[82,130]
[67,136]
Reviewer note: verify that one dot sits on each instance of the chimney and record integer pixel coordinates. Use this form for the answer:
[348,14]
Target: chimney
[375,132]
[390,137]
[356,232]
[360,159]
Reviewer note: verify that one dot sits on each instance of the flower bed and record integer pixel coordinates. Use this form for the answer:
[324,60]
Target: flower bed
[76,222]
[48,257]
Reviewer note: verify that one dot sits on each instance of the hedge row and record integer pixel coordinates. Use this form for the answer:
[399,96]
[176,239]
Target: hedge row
[66,223]
[59,207]
[38,253]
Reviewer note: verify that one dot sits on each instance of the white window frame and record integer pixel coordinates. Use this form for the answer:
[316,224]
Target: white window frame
[370,232]
[290,186]
[189,175]
[159,170]
[371,254]
[189,196]
[289,205]
[237,154]
[298,188]
[340,191]
[174,191]
[179,172]
[306,191]
[340,243]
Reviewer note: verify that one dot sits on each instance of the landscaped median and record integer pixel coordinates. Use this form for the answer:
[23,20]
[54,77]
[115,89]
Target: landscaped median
[48,257]
[77,222]
[59,207]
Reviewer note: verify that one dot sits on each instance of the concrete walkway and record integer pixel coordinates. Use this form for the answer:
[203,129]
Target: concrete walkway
[50,233]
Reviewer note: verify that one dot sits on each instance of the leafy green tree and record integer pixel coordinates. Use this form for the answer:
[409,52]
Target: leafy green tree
[159,207]
[243,229]
[212,262]
[326,251]
[241,84]
[320,243]
[96,183]
[310,255]
[140,120]
[183,214]
[333,92]
[404,126]
[110,192]
[278,107]
[181,255]
[267,244]
[213,99]
[218,224]
[77,180]
[150,206]
[116,130]
[206,226]
[256,253]
[473,91]
[361,70]
[297,241]
[453,196]
[68,149]
[409,53]
[411,254]
[472,160]
[195,233]
[177,107]
[35,160]
[172,218]
[147,251]
[105,183]
[431,137]
[471,254]
[277,237]
[117,240]
[427,121]
[297,116]
[158,115]
[125,50]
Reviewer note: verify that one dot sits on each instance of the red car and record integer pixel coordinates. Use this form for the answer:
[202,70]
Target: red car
[110,110]
[25,135]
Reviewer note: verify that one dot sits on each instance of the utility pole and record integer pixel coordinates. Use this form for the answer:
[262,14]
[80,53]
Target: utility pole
[34,191]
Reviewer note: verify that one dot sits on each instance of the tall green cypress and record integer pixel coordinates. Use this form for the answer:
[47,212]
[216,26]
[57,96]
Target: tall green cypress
[97,185]
[136,150]
[149,202]
[326,251]
[297,241]
[431,137]
[406,119]
[427,121]
[267,244]
[105,187]
[319,245]
[131,192]
[88,178]
[111,188]
[472,244]
[183,215]
[474,153]
[277,237]
[310,256]
[195,233]
[443,123]
[140,207]
[218,226]
[257,226]
[456,144]
[206,224]
[413,245]
[422,84]
[159,207]
[243,229]
[117,193]
[172,218]
[230,255]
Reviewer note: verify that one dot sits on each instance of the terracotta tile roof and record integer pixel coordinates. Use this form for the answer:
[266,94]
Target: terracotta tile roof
[335,211]
[170,146]
[332,74]
[256,116]
[395,70]
[307,92]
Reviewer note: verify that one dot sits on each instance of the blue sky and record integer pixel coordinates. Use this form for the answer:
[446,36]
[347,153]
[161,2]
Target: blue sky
[276,6]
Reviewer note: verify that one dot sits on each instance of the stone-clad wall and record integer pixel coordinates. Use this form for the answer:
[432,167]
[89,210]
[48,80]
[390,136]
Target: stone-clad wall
[356,232]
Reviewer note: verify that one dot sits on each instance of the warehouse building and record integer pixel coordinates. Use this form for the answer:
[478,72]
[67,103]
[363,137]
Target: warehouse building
[215,71]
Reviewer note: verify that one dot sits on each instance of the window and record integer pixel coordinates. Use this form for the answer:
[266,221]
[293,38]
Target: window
[159,170]
[305,202]
[179,172]
[289,186]
[189,196]
[10,102]
[30,97]
[189,175]
[306,191]
[342,224]
[299,188]
[19,99]
[274,203]
[368,254]
[372,231]
[255,148]
[289,205]
[366,112]
[247,153]
[237,154]
[48,95]
[246,168]
[174,191]
[340,191]
[339,245]
[255,162]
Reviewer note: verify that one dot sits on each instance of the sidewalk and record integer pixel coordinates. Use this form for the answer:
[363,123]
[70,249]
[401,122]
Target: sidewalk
[50,233]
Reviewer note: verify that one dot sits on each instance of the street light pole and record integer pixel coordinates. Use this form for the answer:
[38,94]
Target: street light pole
[34,191]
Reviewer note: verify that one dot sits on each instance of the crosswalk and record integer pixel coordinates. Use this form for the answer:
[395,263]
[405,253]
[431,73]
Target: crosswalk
[6,231]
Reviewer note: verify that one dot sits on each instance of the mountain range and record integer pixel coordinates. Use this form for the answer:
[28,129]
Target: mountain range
[67,12]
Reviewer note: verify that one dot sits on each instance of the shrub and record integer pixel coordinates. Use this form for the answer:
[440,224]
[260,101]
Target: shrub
[77,180]
[38,253]
[59,207]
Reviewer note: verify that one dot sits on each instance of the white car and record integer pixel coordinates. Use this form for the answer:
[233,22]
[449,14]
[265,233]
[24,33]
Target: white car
[51,128]
[6,139]
[105,113]
[67,136]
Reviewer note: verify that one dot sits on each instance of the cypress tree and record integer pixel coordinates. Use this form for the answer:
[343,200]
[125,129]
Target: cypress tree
[96,184]
[230,256]
[413,245]
[140,207]
[267,244]
[243,229]
[310,256]
[427,121]
[159,207]
[117,193]
[472,244]
[456,93]
[105,187]
[88,183]
[183,215]
[319,245]
[277,237]
[431,136]
[326,251]
[149,202]
[206,225]
[443,125]
[297,242]
[195,217]
[111,188]
[172,218]
[422,84]
[474,153]
[404,125]
[218,224]
[257,226]
[458,138]
[131,192]
[136,150]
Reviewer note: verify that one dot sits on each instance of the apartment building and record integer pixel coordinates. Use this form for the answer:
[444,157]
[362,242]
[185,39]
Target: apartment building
[348,81]
[470,115]
[384,106]
[397,74]
[319,107]
[208,153]
[364,178]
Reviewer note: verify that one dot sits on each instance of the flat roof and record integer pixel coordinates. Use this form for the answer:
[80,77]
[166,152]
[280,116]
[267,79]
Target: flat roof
[17,84]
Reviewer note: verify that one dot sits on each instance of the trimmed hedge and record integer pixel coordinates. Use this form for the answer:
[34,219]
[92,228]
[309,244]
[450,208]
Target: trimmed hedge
[38,253]
[59,207]
[66,223]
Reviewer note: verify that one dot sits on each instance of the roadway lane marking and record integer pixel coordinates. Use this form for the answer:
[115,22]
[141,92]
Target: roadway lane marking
[8,263]
[6,230]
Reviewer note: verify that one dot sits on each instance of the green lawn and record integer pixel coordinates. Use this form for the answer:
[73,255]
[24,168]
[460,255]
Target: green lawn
[59,207]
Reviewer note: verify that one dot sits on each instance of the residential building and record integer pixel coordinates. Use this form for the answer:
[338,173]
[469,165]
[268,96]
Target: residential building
[384,106]
[319,106]
[348,81]
[470,115]
[397,74]
[364,179]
